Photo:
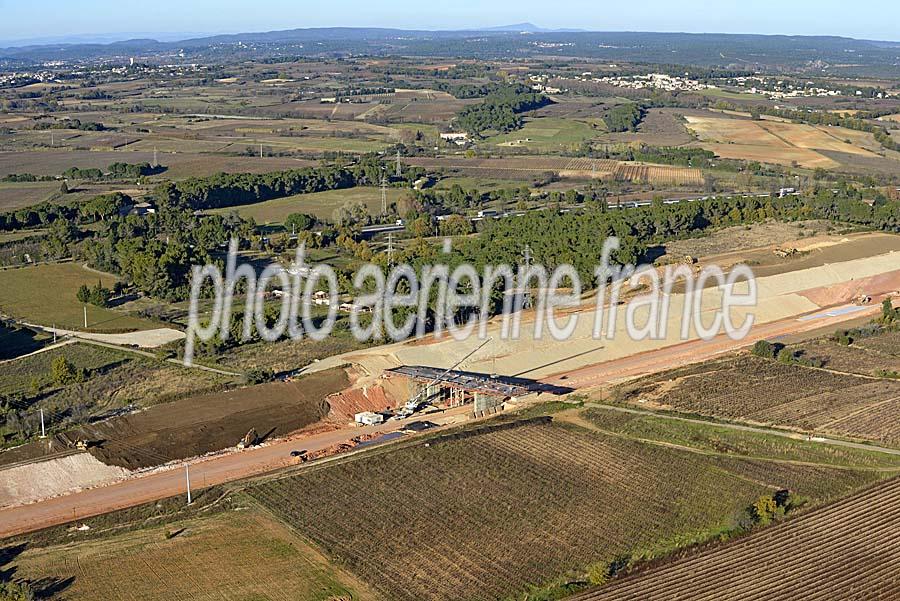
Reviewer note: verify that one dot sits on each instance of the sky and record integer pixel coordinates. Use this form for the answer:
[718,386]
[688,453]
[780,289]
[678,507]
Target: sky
[48,19]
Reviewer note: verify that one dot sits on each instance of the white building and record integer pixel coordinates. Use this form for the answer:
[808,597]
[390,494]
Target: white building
[368,418]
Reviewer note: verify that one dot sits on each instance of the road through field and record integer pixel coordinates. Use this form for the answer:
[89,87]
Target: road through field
[167,482]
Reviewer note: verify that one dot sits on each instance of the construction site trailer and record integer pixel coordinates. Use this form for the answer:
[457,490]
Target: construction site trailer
[368,418]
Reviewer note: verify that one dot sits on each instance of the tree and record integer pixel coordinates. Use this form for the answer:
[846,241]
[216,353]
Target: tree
[765,349]
[63,372]
[15,591]
[352,213]
[455,225]
[888,313]
[299,222]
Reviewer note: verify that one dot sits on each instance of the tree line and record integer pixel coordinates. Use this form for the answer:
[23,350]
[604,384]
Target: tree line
[500,109]
[233,189]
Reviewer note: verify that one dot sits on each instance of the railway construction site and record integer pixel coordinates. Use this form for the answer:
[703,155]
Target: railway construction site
[188,412]
[542,445]
[817,296]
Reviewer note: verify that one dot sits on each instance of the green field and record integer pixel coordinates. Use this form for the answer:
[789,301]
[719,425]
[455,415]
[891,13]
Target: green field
[478,183]
[720,440]
[243,556]
[45,295]
[545,133]
[20,375]
[320,204]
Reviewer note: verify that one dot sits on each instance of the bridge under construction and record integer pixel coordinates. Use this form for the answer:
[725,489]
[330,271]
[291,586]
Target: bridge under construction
[432,385]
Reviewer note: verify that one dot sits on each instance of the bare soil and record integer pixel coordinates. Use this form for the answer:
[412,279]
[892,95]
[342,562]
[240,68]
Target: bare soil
[199,425]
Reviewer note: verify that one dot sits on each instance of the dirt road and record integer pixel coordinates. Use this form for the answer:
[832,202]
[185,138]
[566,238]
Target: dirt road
[168,482]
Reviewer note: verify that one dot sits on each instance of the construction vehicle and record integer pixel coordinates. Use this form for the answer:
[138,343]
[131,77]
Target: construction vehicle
[250,439]
[784,253]
[863,299]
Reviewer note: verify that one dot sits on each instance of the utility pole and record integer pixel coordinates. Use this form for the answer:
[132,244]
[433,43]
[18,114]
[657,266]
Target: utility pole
[85,317]
[399,172]
[54,333]
[526,301]
[187,477]
[260,150]
[43,431]
[390,248]
[383,194]
[155,161]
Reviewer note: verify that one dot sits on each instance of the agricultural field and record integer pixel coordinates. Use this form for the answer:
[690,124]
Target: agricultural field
[322,205]
[25,295]
[777,142]
[19,195]
[720,440]
[658,175]
[886,345]
[857,358]
[544,134]
[475,183]
[235,556]
[765,391]
[660,127]
[478,516]
[846,550]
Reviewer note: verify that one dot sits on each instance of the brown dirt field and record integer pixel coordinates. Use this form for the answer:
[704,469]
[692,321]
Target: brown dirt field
[854,359]
[19,195]
[660,127]
[754,247]
[212,422]
[776,142]
[732,239]
[481,517]
[764,391]
[843,551]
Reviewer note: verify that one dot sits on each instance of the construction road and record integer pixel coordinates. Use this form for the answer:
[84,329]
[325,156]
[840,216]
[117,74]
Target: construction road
[695,351]
[226,467]
[171,481]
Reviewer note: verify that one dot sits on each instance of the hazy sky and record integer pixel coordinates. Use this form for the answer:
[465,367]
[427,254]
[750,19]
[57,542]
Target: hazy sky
[873,19]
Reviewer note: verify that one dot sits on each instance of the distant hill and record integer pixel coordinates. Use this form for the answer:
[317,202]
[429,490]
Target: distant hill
[824,55]
[527,28]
